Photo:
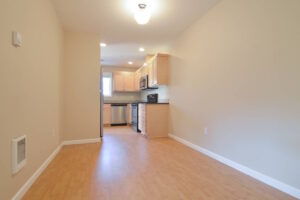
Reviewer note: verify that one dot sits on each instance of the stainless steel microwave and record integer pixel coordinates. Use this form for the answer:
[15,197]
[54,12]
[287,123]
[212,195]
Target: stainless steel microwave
[144,83]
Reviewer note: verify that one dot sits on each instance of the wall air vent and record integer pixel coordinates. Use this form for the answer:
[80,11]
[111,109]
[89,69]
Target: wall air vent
[18,153]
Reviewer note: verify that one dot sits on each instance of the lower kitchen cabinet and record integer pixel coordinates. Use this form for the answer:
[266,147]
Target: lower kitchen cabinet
[153,120]
[106,114]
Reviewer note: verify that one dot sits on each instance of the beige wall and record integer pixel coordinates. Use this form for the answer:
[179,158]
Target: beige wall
[30,86]
[81,86]
[236,71]
[49,86]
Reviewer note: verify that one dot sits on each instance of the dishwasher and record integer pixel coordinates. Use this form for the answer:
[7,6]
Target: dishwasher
[118,114]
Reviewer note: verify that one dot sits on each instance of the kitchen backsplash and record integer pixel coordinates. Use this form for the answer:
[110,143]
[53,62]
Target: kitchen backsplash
[123,96]
[162,91]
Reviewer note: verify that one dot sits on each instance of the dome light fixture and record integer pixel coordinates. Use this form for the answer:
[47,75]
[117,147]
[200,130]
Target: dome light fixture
[142,14]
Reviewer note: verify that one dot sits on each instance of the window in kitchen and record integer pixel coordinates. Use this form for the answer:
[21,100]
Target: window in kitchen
[107,84]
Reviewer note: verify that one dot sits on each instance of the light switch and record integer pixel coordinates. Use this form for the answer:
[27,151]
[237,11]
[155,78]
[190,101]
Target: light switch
[16,39]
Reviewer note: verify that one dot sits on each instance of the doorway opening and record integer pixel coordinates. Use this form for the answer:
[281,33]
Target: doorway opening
[118,103]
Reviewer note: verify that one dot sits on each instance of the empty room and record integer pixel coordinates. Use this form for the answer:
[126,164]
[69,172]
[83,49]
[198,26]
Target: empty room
[150,99]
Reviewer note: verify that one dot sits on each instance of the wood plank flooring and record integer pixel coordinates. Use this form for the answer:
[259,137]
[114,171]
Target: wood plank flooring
[125,165]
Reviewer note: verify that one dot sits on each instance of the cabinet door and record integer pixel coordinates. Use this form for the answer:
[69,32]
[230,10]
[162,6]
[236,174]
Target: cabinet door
[162,69]
[144,71]
[137,81]
[106,114]
[154,71]
[118,81]
[129,81]
[150,74]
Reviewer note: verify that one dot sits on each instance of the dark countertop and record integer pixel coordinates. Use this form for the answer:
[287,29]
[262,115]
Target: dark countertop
[118,102]
[144,102]
[135,102]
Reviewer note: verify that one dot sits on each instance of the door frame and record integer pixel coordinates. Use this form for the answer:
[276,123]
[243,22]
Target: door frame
[101,102]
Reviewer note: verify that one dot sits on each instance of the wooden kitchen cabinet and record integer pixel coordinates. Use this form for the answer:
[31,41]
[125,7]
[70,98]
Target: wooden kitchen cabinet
[160,69]
[129,82]
[137,77]
[157,69]
[118,81]
[106,114]
[124,81]
[151,74]
[153,120]
[145,71]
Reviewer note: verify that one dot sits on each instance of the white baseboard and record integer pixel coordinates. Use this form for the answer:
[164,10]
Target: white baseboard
[36,174]
[250,172]
[83,141]
[22,191]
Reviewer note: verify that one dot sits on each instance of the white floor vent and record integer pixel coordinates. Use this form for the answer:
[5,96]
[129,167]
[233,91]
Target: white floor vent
[18,153]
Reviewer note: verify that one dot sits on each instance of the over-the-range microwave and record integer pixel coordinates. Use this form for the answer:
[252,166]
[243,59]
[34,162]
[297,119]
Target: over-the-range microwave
[144,84]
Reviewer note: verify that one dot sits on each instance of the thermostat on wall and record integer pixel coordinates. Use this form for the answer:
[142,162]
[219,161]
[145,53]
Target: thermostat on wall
[16,39]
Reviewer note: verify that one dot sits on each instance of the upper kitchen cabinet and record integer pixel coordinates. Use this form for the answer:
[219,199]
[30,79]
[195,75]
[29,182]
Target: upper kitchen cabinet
[144,71]
[137,77]
[124,81]
[158,70]
[129,81]
[152,80]
[119,81]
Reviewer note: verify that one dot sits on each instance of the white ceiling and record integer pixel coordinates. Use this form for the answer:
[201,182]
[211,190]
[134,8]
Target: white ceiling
[114,21]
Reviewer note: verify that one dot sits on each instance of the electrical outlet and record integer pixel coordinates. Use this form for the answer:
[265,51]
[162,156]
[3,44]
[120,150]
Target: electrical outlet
[205,131]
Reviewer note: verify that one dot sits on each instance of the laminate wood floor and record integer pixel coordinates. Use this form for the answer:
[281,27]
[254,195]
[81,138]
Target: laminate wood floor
[127,166]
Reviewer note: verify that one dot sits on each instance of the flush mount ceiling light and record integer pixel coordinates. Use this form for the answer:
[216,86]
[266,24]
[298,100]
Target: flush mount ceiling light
[130,62]
[102,44]
[141,49]
[142,14]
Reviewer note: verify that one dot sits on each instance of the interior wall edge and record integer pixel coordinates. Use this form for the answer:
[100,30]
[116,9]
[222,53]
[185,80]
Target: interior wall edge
[22,191]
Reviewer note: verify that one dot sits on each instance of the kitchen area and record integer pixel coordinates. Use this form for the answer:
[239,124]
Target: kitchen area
[138,97]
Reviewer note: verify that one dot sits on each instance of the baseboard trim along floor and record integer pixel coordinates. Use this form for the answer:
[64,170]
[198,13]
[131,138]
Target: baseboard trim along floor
[22,191]
[250,172]
[83,141]
[254,174]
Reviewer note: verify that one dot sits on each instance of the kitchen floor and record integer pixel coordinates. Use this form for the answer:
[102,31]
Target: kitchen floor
[125,165]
